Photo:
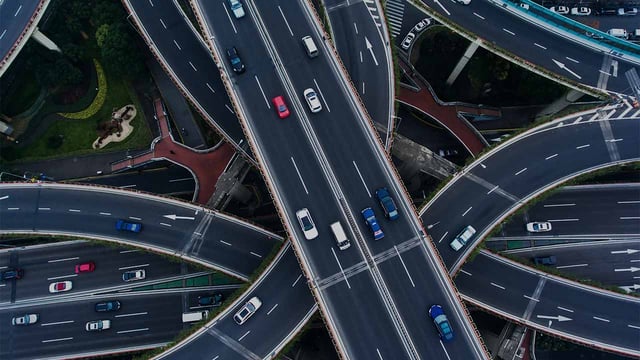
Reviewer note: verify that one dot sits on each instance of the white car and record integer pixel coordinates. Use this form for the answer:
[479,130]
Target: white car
[524,6]
[406,43]
[134,275]
[236,8]
[247,310]
[463,2]
[422,25]
[98,325]
[538,226]
[581,11]
[562,10]
[306,223]
[60,286]
[312,100]
[26,319]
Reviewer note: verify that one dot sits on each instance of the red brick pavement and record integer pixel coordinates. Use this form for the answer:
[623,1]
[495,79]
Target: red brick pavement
[447,115]
[205,166]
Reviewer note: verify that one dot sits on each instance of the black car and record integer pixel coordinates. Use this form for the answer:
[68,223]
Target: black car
[215,300]
[235,61]
[112,305]
[11,274]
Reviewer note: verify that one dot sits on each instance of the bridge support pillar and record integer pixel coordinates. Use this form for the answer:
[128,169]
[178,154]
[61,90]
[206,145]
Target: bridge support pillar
[45,41]
[561,103]
[462,62]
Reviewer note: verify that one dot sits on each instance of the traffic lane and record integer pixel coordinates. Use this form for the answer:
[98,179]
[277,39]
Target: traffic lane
[540,158]
[189,59]
[414,289]
[610,319]
[497,284]
[465,203]
[15,16]
[361,319]
[579,60]
[169,180]
[286,300]
[64,331]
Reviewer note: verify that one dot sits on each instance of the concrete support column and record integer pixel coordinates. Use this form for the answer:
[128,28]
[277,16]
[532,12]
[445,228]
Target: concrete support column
[561,103]
[462,62]
[45,41]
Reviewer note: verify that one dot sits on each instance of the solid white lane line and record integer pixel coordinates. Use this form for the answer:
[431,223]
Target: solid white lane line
[262,91]
[135,218]
[601,319]
[465,272]
[133,330]
[583,146]
[562,220]
[256,255]
[245,334]
[321,95]
[297,279]
[498,286]
[571,266]
[132,314]
[469,209]
[521,171]
[340,266]
[300,176]
[565,309]
[404,266]
[273,308]
[133,267]
[62,277]
[65,259]
[56,340]
[559,205]
[285,20]
[58,323]
[361,178]
[445,234]
[551,157]
[224,242]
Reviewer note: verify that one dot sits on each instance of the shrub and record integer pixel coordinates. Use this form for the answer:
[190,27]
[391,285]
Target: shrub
[99,100]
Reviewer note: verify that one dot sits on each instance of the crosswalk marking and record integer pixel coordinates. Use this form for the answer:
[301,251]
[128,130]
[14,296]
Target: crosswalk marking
[395,13]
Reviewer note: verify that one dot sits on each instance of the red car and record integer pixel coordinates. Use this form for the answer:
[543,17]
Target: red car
[85,267]
[281,107]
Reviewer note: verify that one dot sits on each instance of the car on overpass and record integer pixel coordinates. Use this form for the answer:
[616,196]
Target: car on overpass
[11,274]
[88,266]
[441,322]
[60,286]
[562,10]
[280,106]
[463,238]
[247,310]
[372,223]
[538,226]
[306,224]
[106,306]
[312,100]
[26,319]
[122,225]
[98,325]
[236,8]
[387,204]
[234,59]
[134,275]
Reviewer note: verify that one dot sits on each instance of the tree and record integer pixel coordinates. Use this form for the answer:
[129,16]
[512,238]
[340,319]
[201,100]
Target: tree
[119,53]
[101,34]
[107,12]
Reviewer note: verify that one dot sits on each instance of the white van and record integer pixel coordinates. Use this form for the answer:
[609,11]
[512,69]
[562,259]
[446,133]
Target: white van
[619,33]
[340,236]
[310,46]
[194,316]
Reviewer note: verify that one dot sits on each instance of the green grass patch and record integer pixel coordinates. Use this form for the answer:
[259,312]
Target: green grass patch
[23,96]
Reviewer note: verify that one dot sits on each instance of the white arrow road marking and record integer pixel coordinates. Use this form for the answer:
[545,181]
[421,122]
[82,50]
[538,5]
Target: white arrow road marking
[631,269]
[564,67]
[628,251]
[559,317]
[630,288]
[176,217]
[370,48]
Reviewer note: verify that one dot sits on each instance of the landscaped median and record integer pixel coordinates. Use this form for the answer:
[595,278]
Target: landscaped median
[97,102]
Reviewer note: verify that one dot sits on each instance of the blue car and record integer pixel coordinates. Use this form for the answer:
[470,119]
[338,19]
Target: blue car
[370,219]
[122,225]
[387,204]
[442,323]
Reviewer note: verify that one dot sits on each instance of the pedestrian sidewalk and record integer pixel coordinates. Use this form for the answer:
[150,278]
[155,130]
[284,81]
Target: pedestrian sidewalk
[448,114]
[206,166]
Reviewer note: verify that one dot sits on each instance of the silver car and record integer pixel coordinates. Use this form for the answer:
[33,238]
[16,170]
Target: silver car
[26,319]
[247,310]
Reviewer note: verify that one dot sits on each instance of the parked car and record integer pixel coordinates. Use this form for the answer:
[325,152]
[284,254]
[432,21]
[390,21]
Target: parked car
[234,59]
[312,100]
[581,11]
[538,226]
[406,43]
[60,286]
[106,306]
[422,25]
[122,225]
[11,274]
[562,10]
[236,8]
[88,266]
[463,2]
[387,203]
[524,6]
[213,300]
[545,260]
[280,106]
[26,319]
[442,323]
[594,35]
[461,240]
[134,275]
[98,325]
[246,311]
[370,219]
[306,224]
[628,11]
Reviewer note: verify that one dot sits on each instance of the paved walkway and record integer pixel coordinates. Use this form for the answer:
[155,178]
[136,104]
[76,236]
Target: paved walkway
[445,113]
[206,167]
